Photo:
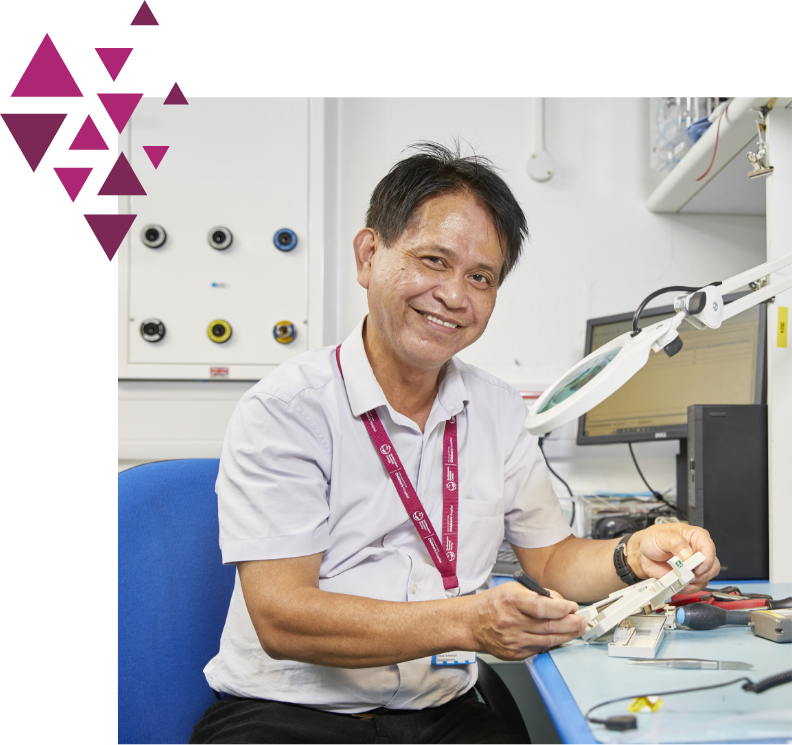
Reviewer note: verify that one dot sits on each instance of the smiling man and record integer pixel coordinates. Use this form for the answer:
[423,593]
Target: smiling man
[364,491]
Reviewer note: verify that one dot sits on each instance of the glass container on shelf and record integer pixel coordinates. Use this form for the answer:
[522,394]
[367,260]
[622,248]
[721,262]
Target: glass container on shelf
[668,120]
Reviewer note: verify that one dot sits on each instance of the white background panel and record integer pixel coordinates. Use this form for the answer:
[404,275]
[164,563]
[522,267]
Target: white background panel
[237,163]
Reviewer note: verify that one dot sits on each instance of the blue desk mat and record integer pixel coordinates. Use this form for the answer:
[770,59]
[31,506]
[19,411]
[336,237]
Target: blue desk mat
[573,678]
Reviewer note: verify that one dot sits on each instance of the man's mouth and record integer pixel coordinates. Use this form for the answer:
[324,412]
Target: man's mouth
[435,319]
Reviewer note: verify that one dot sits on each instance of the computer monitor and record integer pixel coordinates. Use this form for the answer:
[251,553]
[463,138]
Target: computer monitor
[715,366]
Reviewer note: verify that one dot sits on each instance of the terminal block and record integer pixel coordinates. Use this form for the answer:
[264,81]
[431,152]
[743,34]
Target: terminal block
[644,597]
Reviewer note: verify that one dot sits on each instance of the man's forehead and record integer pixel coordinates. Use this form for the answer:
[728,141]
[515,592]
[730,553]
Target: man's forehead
[450,222]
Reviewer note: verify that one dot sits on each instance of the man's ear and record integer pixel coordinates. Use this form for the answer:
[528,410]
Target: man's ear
[365,245]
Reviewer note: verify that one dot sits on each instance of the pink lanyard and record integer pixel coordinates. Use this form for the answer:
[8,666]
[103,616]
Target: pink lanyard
[444,554]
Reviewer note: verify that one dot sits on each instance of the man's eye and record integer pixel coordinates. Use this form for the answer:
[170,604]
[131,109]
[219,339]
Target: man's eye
[479,278]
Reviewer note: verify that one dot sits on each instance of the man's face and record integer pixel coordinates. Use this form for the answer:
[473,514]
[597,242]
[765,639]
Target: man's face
[432,291]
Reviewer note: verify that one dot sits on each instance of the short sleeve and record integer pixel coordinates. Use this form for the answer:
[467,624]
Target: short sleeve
[534,518]
[273,483]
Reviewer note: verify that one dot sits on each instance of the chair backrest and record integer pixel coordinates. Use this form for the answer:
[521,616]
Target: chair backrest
[173,596]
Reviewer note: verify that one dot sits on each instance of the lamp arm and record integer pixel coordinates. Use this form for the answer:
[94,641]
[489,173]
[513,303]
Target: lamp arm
[756,297]
[751,275]
[714,312]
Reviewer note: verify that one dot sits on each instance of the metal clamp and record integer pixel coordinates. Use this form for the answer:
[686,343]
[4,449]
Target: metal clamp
[758,159]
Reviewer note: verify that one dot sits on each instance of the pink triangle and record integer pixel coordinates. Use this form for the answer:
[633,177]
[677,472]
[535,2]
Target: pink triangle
[120,106]
[46,75]
[73,179]
[113,58]
[88,138]
[33,133]
[144,17]
[175,97]
[156,153]
[121,180]
[110,230]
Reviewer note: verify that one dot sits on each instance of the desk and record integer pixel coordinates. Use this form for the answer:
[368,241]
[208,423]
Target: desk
[574,677]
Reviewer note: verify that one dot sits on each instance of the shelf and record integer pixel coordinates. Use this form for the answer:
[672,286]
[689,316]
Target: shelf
[729,190]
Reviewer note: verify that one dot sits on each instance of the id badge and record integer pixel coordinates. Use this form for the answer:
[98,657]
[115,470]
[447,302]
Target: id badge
[453,658]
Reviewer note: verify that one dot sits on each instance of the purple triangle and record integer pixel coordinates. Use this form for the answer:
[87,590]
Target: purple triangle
[110,230]
[88,138]
[73,179]
[121,181]
[144,17]
[33,133]
[156,153]
[175,97]
[113,58]
[120,106]
[46,75]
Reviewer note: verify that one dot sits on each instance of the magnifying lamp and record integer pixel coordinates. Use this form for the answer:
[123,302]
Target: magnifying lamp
[608,368]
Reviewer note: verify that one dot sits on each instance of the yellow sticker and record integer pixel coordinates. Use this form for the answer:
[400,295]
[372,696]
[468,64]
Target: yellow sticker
[783,326]
[652,703]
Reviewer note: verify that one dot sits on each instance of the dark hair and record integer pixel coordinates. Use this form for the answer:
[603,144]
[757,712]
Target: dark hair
[436,170]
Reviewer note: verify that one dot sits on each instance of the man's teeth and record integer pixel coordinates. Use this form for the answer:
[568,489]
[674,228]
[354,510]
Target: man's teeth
[437,320]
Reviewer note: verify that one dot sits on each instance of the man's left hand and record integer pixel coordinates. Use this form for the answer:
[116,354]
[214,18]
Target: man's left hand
[649,550]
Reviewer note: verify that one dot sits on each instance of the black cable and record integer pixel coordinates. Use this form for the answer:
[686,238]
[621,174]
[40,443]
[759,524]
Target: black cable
[674,288]
[550,468]
[623,722]
[655,494]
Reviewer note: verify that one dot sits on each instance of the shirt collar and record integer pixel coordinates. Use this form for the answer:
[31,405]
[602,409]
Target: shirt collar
[364,392]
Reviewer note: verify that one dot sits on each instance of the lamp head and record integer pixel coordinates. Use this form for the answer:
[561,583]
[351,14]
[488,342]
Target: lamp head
[602,373]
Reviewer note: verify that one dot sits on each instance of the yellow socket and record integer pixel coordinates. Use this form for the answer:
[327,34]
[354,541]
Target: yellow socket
[284,332]
[219,331]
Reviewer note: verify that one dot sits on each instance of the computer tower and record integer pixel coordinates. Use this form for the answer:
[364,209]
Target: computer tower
[727,485]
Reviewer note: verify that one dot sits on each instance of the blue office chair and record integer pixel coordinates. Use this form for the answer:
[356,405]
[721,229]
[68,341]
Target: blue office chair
[173,596]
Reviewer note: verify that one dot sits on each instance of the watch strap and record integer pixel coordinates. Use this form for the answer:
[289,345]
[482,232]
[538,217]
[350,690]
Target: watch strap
[623,569]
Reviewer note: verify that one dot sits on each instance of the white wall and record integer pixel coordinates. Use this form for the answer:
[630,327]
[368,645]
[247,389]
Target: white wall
[594,250]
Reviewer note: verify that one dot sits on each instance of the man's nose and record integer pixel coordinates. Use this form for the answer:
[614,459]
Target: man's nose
[453,292]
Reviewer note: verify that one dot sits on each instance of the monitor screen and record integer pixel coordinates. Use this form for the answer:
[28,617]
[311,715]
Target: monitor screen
[715,366]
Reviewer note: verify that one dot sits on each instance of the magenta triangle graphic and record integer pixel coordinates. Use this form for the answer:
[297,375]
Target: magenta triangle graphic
[113,58]
[46,75]
[120,106]
[88,138]
[33,133]
[73,179]
[156,153]
[121,181]
[175,97]
[110,230]
[144,17]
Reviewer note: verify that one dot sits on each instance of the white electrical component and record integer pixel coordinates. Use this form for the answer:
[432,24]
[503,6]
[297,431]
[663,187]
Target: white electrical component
[646,596]
[640,636]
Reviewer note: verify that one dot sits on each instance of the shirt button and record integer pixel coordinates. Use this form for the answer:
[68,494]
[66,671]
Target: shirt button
[414,589]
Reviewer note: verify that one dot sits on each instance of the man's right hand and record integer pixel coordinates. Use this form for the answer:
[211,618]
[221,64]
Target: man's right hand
[512,622]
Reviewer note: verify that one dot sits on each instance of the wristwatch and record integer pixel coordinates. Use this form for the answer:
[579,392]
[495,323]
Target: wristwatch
[623,569]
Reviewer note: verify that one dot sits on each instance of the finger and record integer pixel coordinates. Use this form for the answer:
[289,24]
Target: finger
[559,596]
[536,606]
[700,541]
[676,544]
[571,624]
[545,642]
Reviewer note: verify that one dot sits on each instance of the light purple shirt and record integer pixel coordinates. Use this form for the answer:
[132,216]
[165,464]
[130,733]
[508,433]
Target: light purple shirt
[299,475]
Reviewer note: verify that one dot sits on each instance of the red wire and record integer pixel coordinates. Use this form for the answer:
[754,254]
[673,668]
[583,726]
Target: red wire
[714,152]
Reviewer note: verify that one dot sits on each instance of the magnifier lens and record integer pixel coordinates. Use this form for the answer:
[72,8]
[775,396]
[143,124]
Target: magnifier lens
[575,382]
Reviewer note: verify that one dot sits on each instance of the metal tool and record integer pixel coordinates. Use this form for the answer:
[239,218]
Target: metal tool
[526,580]
[683,663]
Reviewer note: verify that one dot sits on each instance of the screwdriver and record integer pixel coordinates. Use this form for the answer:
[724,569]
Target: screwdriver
[702,616]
